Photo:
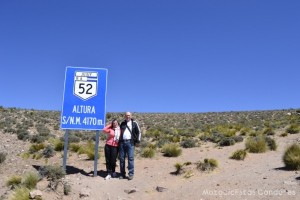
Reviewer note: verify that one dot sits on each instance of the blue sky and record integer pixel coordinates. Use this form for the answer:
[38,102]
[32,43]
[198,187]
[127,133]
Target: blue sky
[161,55]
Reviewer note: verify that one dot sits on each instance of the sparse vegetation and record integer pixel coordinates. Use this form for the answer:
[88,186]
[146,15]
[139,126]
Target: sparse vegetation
[166,133]
[54,174]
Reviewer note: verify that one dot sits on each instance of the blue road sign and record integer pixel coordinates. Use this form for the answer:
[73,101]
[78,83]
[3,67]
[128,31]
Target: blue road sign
[84,99]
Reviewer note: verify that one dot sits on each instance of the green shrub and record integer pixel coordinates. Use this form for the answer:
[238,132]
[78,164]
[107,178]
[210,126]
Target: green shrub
[148,152]
[284,134]
[216,137]
[48,151]
[293,128]
[291,157]
[91,154]
[75,147]
[67,189]
[256,144]
[25,155]
[37,156]
[42,130]
[271,143]
[175,139]
[268,131]
[239,154]
[245,131]
[227,141]
[179,168]
[53,173]
[58,145]
[161,142]
[238,138]
[20,193]
[37,138]
[73,139]
[30,180]
[171,150]
[188,143]
[36,147]
[207,165]
[23,135]
[14,181]
[90,150]
[2,157]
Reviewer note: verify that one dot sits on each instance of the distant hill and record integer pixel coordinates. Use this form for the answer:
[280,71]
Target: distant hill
[26,123]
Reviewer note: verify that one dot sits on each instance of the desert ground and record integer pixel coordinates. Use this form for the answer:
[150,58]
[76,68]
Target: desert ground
[259,176]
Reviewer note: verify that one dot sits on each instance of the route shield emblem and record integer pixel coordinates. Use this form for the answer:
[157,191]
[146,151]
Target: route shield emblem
[85,84]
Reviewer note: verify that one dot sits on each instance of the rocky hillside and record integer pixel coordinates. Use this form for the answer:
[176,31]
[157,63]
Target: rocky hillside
[31,140]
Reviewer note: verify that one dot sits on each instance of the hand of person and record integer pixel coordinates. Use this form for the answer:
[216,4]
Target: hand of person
[137,145]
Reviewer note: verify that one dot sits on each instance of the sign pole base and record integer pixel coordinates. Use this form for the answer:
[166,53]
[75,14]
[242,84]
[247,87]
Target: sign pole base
[65,150]
[96,153]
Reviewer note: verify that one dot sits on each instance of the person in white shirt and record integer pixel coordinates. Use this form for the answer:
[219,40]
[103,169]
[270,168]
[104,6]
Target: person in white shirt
[129,138]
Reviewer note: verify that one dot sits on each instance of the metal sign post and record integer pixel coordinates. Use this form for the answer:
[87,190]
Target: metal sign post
[84,103]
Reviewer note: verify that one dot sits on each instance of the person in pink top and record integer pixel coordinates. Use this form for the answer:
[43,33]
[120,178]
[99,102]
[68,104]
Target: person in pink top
[111,148]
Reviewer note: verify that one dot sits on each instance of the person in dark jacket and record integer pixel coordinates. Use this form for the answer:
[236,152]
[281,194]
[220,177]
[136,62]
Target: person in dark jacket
[129,138]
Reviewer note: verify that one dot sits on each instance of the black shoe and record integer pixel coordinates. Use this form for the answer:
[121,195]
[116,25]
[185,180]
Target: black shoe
[130,177]
[122,177]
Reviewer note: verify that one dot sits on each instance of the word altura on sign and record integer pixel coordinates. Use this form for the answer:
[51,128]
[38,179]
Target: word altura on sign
[84,109]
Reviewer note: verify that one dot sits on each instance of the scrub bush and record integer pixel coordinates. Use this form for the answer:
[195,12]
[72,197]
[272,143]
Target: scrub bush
[188,143]
[21,193]
[207,165]
[293,128]
[239,154]
[30,180]
[291,157]
[148,152]
[48,151]
[227,141]
[171,150]
[256,144]
[14,181]
[271,143]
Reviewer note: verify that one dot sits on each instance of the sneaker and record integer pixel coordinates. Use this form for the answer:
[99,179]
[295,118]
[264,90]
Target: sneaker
[107,177]
[114,175]
[122,177]
[130,177]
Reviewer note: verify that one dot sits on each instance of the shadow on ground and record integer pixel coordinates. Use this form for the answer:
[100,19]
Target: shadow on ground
[74,170]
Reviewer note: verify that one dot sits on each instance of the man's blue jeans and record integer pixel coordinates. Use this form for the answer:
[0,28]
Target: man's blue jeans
[126,149]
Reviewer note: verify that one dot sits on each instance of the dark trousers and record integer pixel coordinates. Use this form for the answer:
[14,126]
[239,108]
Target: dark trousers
[111,154]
